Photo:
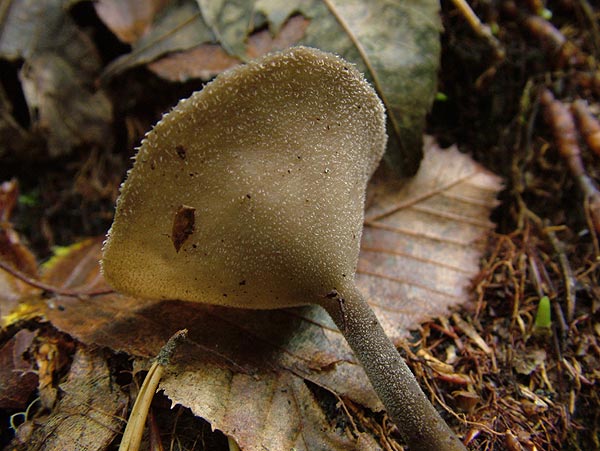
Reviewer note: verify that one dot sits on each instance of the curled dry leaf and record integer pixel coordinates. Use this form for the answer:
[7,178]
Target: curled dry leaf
[87,415]
[435,226]
[179,27]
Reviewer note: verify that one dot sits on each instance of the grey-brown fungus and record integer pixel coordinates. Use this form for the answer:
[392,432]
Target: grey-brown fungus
[281,150]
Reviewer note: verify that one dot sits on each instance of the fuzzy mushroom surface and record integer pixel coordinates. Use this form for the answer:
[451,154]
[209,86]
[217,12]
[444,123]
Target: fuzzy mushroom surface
[251,193]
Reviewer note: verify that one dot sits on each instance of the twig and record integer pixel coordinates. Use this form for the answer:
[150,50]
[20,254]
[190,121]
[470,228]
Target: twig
[566,270]
[50,288]
[479,27]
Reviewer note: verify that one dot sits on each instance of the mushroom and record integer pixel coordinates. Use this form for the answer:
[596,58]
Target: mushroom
[251,193]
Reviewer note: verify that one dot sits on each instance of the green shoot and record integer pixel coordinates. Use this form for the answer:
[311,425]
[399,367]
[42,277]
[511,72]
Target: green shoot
[543,318]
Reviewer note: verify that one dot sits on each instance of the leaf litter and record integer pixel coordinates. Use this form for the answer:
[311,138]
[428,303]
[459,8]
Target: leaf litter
[556,404]
[57,76]
[200,39]
[267,358]
[88,414]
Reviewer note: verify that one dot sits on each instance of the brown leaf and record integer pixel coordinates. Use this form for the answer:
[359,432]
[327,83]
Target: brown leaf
[15,295]
[15,139]
[52,355]
[204,61]
[421,246]
[274,412]
[88,414]
[208,60]
[76,267]
[64,109]
[179,27]
[422,241]
[130,19]
[12,251]
[17,378]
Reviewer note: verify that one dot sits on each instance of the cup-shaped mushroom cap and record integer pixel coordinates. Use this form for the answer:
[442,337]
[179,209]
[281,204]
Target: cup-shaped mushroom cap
[250,193]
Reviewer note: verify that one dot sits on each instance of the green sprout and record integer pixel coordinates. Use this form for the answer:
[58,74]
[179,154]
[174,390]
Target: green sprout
[31,199]
[441,97]
[543,318]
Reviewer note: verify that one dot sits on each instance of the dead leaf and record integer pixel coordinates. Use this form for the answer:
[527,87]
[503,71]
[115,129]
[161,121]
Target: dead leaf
[12,250]
[21,140]
[420,248]
[422,241]
[128,20]
[396,44]
[527,364]
[17,379]
[18,300]
[60,64]
[276,12]
[278,411]
[179,27]
[76,267]
[62,108]
[208,60]
[230,21]
[51,354]
[204,61]
[88,414]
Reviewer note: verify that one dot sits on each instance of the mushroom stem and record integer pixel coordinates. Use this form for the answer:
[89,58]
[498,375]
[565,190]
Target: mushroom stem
[419,423]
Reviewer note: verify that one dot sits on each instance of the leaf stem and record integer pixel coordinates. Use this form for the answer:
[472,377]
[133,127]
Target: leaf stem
[419,423]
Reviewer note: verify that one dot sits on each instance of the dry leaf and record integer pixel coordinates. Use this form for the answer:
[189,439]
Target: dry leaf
[128,20]
[208,60]
[422,241]
[421,246]
[57,76]
[396,45]
[17,379]
[230,21]
[179,27]
[17,299]
[88,413]
[21,140]
[62,107]
[76,267]
[51,354]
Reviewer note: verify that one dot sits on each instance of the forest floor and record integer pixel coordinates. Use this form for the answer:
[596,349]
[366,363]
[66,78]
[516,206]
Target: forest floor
[535,385]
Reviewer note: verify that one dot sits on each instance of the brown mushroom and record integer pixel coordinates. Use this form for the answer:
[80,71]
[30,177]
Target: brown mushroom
[250,194]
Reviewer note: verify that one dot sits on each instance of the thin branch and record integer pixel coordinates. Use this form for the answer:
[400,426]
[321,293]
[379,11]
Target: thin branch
[50,288]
